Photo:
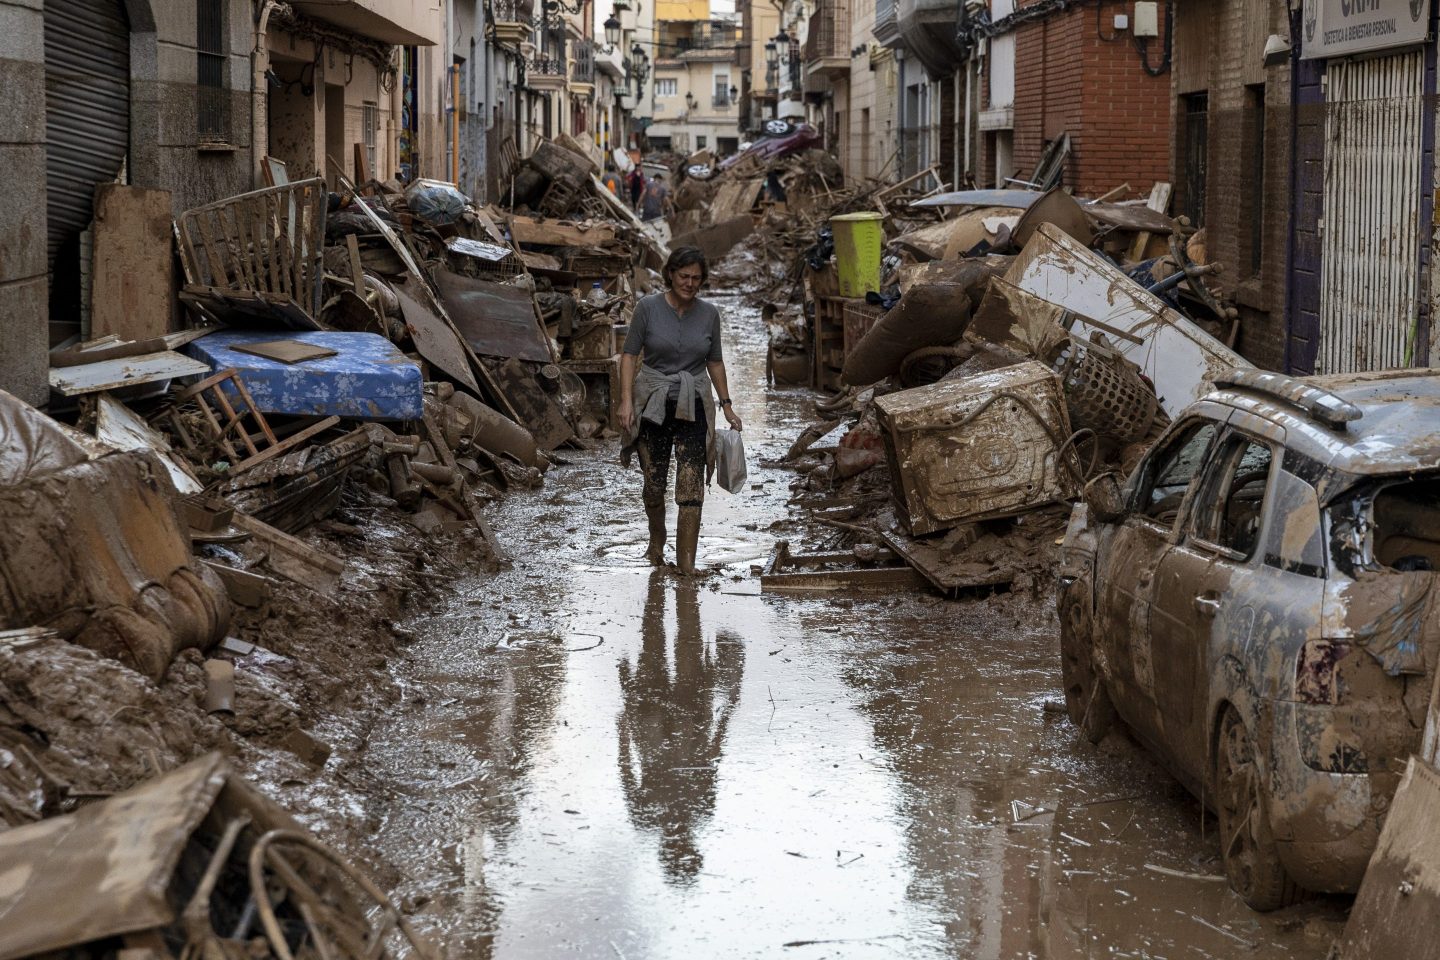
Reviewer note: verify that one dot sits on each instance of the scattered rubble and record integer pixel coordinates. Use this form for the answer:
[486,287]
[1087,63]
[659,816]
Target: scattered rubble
[210,531]
[920,310]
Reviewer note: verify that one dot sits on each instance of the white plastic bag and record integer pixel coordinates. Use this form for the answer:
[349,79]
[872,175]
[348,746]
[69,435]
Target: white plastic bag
[730,460]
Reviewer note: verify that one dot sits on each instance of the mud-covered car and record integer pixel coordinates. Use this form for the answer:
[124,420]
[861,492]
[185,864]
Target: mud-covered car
[1256,603]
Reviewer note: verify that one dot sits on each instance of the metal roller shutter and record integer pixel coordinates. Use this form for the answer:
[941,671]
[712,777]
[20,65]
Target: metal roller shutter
[87,108]
[1374,122]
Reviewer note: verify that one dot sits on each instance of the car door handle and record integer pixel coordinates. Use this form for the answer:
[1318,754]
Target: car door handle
[1207,606]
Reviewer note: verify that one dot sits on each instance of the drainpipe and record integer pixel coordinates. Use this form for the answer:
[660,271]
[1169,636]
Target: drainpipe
[260,87]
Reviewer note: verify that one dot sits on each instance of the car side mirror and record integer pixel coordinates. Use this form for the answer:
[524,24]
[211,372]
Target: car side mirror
[1102,497]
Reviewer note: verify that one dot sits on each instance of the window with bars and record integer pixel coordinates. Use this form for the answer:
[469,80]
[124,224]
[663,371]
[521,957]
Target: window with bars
[369,131]
[667,87]
[210,69]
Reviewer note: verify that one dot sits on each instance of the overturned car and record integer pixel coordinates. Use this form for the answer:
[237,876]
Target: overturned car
[1257,605]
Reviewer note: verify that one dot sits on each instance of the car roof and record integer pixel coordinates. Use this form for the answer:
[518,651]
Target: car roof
[1398,430]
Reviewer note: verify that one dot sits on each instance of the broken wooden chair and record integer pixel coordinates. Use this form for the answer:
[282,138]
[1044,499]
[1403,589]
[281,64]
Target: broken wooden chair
[241,433]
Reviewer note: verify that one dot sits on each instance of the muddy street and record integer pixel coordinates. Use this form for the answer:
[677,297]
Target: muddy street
[593,759]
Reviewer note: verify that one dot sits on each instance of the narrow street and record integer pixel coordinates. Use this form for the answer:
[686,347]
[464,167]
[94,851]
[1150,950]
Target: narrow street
[596,760]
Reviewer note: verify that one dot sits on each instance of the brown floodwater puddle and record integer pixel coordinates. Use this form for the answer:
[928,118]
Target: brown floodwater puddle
[592,759]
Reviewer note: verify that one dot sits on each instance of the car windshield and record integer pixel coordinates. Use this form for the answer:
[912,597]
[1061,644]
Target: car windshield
[1391,523]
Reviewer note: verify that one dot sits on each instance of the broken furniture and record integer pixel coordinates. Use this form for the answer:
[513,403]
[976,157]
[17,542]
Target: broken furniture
[786,572]
[256,256]
[234,426]
[934,311]
[120,373]
[367,379]
[93,548]
[1171,351]
[994,444]
[294,489]
[194,863]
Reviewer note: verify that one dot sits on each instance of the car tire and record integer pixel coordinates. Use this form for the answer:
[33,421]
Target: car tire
[1247,847]
[1086,699]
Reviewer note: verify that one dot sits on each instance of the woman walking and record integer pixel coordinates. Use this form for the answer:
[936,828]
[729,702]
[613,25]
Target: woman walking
[674,343]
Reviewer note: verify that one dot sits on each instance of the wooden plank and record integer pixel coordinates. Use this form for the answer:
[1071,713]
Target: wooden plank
[357,271]
[833,572]
[245,588]
[559,233]
[123,429]
[362,171]
[946,574]
[1159,202]
[132,286]
[270,204]
[284,218]
[260,242]
[75,356]
[236,245]
[189,262]
[124,372]
[285,446]
[437,440]
[218,276]
[888,579]
[292,558]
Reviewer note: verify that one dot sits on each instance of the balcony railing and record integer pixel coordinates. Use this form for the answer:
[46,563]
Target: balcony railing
[721,101]
[887,22]
[703,37]
[829,35]
[512,11]
[538,68]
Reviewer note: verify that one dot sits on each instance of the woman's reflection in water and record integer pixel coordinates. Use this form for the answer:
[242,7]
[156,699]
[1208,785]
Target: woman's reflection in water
[677,701]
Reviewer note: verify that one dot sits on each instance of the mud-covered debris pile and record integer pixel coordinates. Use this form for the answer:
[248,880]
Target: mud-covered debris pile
[981,369]
[209,531]
[192,863]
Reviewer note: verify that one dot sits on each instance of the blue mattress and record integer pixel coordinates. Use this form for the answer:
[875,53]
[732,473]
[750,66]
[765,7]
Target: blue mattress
[367,379]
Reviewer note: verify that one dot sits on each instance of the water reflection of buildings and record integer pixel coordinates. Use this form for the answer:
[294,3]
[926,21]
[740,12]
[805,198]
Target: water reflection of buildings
[677,699]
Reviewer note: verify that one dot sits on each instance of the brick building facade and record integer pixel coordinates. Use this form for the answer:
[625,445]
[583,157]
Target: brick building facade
[1076,75]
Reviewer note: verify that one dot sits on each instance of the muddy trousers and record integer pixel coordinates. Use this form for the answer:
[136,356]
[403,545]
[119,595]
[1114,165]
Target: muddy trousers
[687,439]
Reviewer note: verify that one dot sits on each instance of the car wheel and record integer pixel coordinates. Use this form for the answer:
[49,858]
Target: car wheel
[1086,699]
[1247,847]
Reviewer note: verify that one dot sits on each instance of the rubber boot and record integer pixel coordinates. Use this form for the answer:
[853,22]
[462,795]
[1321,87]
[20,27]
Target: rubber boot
[656,552]
[687,538]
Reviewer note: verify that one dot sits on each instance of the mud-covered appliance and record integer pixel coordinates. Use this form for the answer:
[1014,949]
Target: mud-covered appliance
[977,447]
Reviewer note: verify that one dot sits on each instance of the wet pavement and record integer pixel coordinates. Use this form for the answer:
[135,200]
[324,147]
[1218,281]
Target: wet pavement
[592,759]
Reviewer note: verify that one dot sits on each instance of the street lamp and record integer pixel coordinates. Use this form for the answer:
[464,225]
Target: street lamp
[734,93]
[612,29]
[772,53]
[689,101]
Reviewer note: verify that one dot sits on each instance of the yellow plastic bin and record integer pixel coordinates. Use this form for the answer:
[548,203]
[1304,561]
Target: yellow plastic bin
[858,242]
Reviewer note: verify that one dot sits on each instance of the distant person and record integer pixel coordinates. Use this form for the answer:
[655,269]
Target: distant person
[656,202]
[611,178]
[637,186]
